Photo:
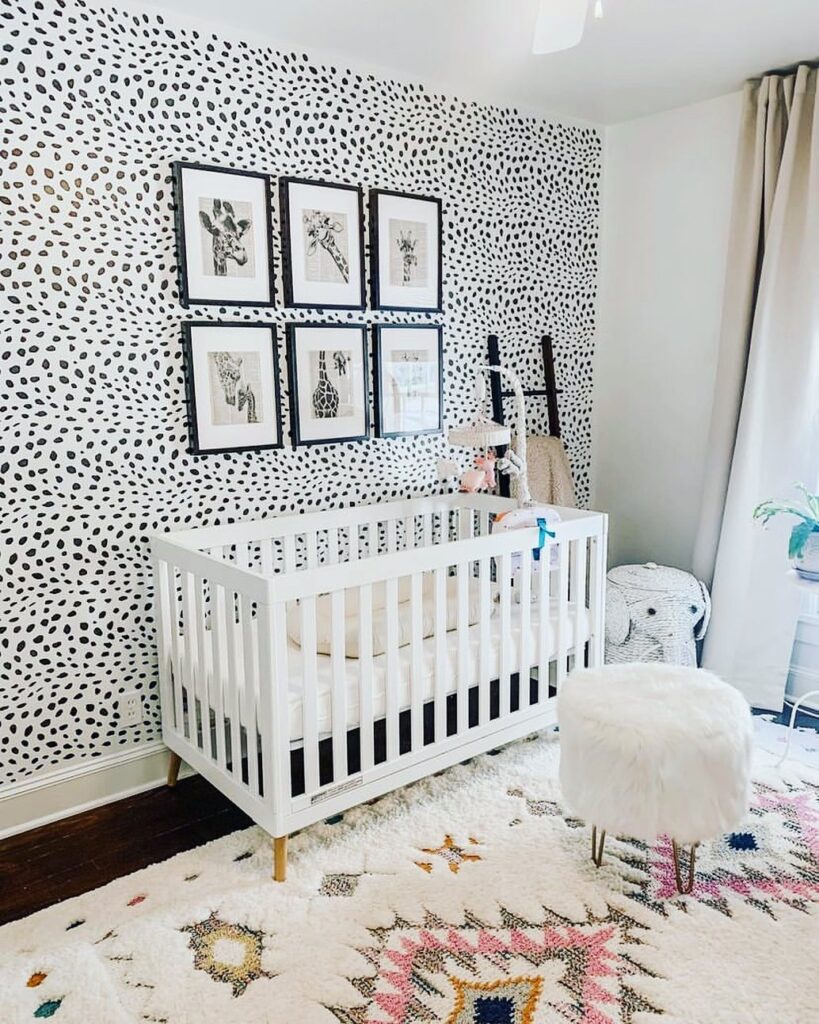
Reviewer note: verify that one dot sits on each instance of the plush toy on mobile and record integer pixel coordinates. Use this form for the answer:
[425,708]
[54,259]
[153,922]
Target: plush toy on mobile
[482,478]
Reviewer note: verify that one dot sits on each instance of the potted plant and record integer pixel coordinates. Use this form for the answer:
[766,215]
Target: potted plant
[803,548]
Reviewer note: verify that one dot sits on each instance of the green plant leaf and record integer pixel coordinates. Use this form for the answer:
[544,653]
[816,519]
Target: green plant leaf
[799,537]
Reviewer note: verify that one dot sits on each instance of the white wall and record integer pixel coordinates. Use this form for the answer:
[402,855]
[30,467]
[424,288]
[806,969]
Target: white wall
[667,187]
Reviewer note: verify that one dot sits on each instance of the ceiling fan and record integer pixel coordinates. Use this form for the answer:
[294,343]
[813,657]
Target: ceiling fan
[560,24]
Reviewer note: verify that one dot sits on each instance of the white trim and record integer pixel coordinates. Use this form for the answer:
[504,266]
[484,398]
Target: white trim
[52,795]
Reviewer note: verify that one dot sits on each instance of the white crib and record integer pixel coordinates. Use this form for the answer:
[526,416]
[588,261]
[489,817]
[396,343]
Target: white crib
[454,642]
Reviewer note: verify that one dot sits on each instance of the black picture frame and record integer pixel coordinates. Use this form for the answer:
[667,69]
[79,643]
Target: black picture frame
[195,447]
[378,398]
[286,240]
[292,376]
[178,168]
[375,267]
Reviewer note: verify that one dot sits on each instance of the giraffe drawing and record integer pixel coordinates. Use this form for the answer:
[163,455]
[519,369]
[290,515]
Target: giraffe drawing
[321,229]
[406,246]
[236,392]
[226,233]
[325,396]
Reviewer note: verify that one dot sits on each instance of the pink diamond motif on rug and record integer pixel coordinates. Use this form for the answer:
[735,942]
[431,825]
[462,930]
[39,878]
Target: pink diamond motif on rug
[772,860]
[518,972]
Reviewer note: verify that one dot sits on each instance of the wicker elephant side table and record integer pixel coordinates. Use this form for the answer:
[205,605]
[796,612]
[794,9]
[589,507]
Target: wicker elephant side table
[654,613]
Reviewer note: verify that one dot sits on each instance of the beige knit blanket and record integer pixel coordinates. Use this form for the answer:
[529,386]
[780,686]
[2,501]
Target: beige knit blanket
[550,478]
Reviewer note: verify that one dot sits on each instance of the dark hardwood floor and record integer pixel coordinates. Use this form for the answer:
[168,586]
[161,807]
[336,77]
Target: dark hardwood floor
[72,856]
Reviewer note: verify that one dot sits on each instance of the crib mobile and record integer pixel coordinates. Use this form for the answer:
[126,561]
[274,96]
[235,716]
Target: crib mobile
[486,433]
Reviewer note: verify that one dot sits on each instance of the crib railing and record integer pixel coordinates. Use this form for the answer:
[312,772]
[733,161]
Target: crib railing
[488,670]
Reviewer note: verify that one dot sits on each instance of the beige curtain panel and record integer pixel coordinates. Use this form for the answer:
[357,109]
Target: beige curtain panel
[765,424]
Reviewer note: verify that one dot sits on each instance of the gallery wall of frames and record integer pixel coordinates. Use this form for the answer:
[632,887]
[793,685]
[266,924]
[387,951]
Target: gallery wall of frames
[225,258]
[98,104]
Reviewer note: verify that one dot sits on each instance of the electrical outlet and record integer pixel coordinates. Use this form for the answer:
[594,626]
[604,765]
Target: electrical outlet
[130,708]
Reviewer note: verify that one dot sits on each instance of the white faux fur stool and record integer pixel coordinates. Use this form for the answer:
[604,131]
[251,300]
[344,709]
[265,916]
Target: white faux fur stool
[651,749]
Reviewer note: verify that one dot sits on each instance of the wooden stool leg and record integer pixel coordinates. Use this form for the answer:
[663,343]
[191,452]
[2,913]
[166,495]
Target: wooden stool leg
[684,887]
[174,765]
[597,848]
[280,858]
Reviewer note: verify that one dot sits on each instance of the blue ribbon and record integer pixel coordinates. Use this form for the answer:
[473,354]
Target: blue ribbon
[541,540]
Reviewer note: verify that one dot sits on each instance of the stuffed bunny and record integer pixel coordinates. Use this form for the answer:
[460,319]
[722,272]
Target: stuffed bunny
[655,613]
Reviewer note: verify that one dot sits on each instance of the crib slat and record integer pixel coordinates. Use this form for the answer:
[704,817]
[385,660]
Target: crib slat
[578,584]
[290,553]
[464,575]
[309,693]
[365,678]
[426,519]
[332,545]
[416,660]
[392,543]
[250,694]
[393,678]
[232,691]
[441,660]
[525,652]
[189,632]
[544,611]
[562,611]
[596,590]
[352,553]
[339,702]
[311,546]
[267,556]
[203,641]
[483,519]
[409,533]
[466,524]
[486,640]
[217,619]
[176,653]
[506,639]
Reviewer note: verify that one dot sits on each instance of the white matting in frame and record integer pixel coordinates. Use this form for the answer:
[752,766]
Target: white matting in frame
[406,246]
[233,387]
[329,397]
[408,380]
[323,248]
[223,229]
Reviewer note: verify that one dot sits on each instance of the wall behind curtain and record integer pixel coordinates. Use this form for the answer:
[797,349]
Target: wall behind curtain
[95,105]
[667,187]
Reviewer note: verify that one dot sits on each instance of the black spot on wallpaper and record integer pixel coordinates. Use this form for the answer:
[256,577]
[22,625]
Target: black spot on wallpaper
[95,104]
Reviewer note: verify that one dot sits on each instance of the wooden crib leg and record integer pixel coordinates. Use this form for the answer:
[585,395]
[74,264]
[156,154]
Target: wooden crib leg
[280,858]
[174,765]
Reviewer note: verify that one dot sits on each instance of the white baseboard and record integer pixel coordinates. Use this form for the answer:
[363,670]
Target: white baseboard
[57,794]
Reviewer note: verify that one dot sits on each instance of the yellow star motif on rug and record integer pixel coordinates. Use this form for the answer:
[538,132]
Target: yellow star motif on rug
[230,953]
[453,854]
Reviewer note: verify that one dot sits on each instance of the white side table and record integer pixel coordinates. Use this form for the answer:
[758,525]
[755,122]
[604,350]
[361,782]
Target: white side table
[812,586]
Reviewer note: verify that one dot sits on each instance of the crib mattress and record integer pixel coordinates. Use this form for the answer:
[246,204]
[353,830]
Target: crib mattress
[476,642]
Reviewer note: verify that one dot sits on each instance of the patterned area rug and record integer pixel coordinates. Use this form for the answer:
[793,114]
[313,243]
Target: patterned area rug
[468,898]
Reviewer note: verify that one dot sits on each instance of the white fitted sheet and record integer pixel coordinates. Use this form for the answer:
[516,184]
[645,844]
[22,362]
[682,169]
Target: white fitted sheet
[324,667]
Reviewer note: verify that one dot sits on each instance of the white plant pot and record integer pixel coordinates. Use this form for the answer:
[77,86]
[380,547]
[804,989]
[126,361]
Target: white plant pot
[807,564]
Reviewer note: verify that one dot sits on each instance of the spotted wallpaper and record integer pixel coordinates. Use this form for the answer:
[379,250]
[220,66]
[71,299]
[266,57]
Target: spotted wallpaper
[95,105]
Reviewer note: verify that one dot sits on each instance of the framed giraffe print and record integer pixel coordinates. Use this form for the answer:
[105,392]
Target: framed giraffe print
[408,377]
[322,244]
[223,231]
[405,252]
[327,371]
[232,385]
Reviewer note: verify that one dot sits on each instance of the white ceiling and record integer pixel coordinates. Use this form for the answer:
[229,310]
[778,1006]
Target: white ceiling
[644,56]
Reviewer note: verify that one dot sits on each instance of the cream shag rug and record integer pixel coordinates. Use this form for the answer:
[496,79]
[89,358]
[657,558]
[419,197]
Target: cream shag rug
[468,898]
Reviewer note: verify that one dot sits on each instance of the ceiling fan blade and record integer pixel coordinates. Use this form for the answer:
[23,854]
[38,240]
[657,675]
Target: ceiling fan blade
[559,25]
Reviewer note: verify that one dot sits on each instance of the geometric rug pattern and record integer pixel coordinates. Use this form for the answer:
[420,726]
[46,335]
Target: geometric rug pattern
[468,898]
